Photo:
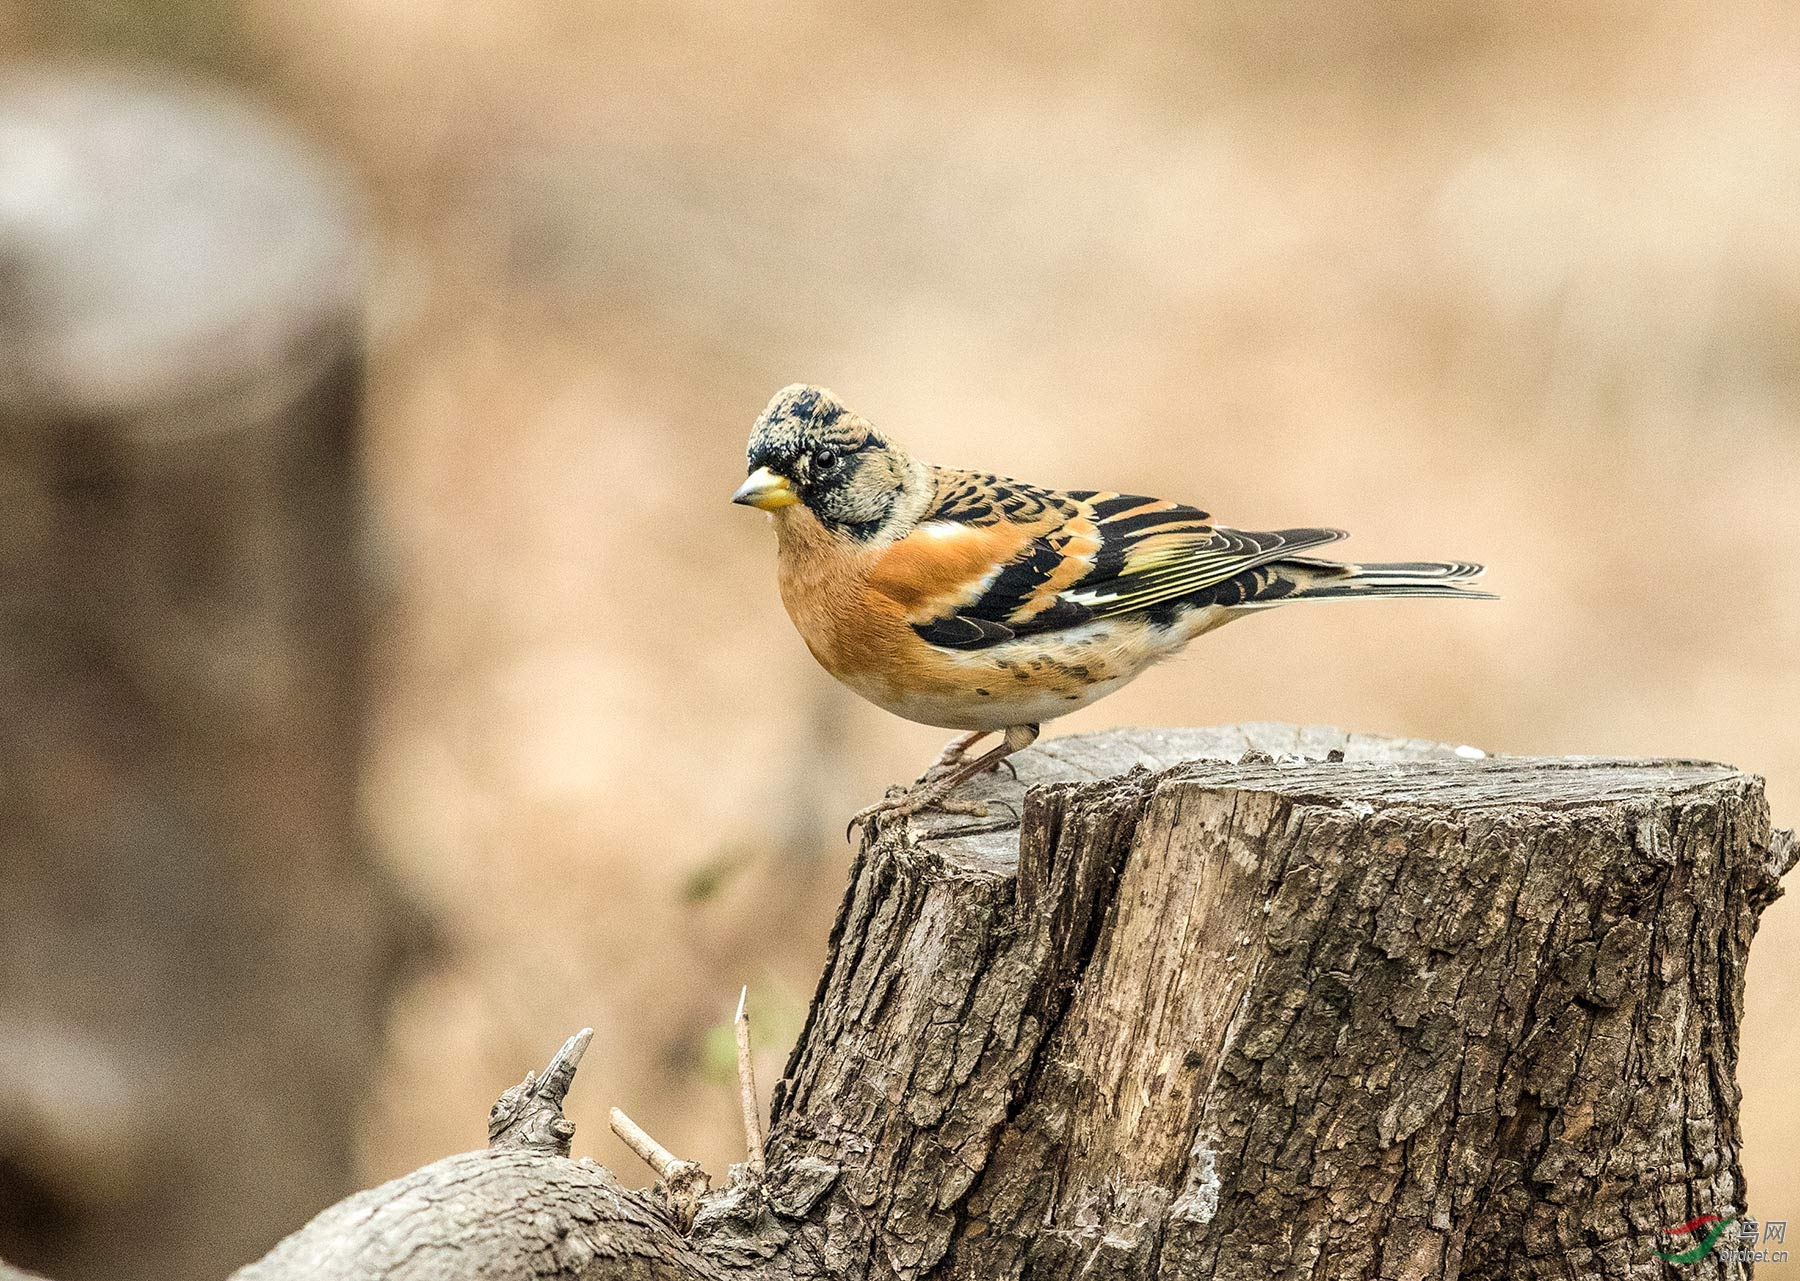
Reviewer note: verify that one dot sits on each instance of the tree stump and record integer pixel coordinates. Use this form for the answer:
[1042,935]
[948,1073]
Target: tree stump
[1411,1013]
[195,949]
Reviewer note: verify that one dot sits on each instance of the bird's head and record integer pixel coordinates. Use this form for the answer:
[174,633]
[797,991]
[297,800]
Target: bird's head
[810,454]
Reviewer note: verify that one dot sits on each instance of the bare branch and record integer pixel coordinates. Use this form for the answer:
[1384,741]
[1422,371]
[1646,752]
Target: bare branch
[753,1139]
[530,1115]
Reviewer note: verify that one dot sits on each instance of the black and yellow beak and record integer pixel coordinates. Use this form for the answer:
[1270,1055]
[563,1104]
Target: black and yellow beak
[767,490]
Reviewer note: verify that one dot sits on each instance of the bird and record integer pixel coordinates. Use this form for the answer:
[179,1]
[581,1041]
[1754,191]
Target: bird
[969,601]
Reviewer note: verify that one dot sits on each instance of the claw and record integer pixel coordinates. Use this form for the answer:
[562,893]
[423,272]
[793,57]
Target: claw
[859,819]
[922,797]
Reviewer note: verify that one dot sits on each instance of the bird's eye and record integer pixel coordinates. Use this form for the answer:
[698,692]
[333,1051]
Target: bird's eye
[825,460]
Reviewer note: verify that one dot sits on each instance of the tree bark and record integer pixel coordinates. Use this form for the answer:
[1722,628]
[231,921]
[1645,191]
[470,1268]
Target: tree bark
[1412,1013]
[195,948]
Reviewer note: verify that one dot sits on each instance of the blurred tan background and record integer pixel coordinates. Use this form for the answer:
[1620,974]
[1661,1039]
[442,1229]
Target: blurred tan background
[1504,280]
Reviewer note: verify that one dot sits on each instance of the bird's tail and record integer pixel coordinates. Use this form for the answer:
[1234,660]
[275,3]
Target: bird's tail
[1332,580]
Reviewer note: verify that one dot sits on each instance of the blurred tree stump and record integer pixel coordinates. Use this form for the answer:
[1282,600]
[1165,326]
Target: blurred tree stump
[195,951]
[1407,1014]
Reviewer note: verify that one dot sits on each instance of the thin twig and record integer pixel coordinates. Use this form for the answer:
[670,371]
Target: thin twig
[654,1154]
[753,1139]
[681,1183]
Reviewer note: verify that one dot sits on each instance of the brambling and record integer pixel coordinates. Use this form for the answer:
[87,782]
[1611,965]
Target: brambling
[973,602]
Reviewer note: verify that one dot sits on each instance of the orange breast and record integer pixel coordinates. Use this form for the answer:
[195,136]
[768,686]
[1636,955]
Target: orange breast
[856,634]
[851,630]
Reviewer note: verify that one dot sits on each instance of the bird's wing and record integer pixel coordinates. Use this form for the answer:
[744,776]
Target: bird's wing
[994,559]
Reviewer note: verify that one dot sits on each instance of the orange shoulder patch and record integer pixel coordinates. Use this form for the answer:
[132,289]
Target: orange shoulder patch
[943,564]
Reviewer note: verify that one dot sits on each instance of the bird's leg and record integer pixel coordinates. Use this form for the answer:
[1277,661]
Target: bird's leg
[955,750]
[934,794]
[1017,739]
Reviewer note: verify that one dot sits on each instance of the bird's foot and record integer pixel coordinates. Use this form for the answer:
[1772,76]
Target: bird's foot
[934,793]
[924,796]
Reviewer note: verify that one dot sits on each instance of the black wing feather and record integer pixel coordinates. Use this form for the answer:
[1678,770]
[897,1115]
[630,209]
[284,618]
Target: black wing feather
[1195,558]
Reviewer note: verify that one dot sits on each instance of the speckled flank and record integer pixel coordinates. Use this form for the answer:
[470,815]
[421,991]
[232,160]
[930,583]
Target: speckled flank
[1036,678]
